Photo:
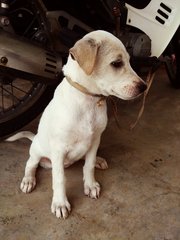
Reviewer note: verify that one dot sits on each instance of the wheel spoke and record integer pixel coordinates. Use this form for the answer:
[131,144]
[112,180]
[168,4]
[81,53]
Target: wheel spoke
[2,98]
[10,94]
[14,99]
[20,89]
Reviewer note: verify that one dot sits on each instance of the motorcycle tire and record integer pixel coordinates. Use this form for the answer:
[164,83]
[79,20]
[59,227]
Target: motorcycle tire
[18,117]
[22,100]
[173,71]
[173,65]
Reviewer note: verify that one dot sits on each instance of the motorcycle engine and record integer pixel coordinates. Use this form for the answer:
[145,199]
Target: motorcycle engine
[137,44]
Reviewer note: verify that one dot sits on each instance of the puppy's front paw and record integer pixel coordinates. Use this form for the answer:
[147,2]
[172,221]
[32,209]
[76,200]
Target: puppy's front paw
[101,163]
[28,184]
[93,190]
[61,210]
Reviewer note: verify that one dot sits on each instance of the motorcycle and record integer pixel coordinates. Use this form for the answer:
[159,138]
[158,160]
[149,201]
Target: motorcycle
[35,37]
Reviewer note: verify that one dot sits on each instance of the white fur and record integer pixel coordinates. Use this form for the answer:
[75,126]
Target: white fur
[71,125]
[23,134]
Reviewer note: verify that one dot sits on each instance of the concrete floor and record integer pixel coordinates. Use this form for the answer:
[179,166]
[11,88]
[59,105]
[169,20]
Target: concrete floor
[140,197]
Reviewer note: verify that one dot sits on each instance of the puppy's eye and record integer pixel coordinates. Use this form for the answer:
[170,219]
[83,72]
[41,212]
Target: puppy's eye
[72,56]
[117,64]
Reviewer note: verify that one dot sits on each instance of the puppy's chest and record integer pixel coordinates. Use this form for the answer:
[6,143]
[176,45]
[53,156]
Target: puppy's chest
[91,121]
[88,125]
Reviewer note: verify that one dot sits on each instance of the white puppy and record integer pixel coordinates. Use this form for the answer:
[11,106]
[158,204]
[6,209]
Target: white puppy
[71,125]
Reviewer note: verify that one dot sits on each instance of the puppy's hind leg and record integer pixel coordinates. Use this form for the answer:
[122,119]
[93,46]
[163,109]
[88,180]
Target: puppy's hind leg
[46,163]
[101,163]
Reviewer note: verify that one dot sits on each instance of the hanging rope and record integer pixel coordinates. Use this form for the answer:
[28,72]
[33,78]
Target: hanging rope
[149,81]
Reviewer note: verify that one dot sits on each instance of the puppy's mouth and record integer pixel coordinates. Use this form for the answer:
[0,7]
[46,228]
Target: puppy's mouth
[123,97]
[131,93]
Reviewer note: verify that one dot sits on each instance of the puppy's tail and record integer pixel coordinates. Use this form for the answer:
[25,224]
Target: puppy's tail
[23,134]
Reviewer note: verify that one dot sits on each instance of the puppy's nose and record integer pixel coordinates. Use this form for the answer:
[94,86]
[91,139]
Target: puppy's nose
[142,87]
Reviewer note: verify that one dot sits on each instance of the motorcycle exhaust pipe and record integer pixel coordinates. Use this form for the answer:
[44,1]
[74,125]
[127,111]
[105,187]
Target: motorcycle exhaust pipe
[20,58]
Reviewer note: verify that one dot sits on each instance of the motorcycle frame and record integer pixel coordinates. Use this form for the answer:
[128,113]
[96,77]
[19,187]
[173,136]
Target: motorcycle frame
[157,17]
[159,20]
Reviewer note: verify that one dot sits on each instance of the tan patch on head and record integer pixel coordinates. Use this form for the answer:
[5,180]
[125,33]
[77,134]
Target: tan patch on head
[85,52]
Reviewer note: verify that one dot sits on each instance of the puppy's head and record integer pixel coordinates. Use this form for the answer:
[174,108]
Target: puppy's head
[104,62]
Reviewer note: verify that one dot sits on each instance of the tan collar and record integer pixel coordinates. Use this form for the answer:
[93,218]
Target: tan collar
[85,91]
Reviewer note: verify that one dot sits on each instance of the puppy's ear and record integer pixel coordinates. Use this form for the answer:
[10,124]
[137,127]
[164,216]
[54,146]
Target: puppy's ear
[85,52]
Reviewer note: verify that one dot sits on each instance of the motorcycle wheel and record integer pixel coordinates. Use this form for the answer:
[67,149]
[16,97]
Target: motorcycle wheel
[173,71]
[21,101]
[172,60]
